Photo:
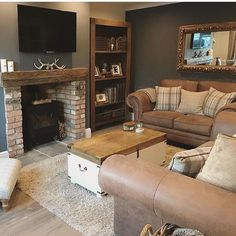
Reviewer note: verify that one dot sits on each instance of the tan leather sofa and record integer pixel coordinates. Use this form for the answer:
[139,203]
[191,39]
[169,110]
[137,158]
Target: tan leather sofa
[188,129]
[146,193]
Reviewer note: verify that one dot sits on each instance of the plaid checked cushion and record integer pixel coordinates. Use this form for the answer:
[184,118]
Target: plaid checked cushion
[167,98]
[189,162]
[216,100]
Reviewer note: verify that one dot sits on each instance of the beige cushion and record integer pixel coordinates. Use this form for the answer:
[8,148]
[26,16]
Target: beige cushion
[168,98]
[220,167]
[216,100]
[192,102]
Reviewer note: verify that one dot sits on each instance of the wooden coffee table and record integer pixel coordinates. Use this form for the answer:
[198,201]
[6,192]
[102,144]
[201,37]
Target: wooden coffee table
[85,156]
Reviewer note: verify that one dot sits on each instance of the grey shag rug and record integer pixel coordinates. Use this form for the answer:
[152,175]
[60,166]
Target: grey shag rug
[47,183]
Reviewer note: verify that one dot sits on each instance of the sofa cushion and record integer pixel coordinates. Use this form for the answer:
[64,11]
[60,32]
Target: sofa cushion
[196,124]
[215,100]
[220,167]
[208,144]
[167,99]
[192,102]
[161,118]
[189,162]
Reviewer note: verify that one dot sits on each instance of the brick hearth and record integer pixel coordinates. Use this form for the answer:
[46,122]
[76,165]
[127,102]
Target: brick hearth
[71,93]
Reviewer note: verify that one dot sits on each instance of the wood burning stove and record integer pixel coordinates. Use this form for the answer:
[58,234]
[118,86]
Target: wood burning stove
[41,122]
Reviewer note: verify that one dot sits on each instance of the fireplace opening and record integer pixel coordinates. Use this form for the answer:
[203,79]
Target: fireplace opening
[43,115]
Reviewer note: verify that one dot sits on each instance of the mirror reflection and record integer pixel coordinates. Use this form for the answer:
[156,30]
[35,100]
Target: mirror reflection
[210,48]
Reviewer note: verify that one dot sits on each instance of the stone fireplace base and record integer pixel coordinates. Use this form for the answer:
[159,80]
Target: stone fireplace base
[71,93]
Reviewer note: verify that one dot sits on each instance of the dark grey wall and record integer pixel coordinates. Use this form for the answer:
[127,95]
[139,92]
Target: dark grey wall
[3,145]
[155,37]
[24,61]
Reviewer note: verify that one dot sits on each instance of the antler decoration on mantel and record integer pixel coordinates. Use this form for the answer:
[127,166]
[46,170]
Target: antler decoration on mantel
[58,67]
[42,65]
[48,66]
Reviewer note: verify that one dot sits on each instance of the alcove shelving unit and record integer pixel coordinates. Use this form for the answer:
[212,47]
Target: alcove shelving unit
[110,56]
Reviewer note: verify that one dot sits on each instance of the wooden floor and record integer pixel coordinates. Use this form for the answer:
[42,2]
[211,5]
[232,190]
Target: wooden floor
[25,216]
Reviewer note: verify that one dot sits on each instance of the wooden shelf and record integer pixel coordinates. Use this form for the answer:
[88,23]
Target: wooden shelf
[110,78]
[111,52]
[110,116]
[23,78]
[109,104]
[117,87]
[112,110]
[106,122]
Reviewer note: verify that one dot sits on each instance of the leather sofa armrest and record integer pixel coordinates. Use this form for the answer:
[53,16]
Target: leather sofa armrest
[131,179]
[225,123]
[228,107]
[175,198]
[196,204]
[139,102]
[208,144]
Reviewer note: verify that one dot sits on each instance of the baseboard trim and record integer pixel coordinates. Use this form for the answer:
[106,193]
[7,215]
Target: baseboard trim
[4,154]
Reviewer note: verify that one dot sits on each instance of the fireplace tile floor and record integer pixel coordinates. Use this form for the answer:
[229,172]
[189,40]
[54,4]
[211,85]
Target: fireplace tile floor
[31,157]
[44,151]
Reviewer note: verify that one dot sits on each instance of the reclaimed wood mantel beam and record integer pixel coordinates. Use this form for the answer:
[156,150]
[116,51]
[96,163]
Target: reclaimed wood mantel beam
[23,78]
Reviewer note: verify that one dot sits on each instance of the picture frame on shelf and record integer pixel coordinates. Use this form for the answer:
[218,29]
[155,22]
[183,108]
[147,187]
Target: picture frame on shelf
[116,69]
[101,98]
[97,72]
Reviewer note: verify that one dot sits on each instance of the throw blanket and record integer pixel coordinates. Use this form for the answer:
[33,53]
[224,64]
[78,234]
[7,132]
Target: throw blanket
[169,230]
[151,93]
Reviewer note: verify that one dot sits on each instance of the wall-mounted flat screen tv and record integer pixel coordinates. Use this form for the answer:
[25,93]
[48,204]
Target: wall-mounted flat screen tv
[46,30]
[201,40]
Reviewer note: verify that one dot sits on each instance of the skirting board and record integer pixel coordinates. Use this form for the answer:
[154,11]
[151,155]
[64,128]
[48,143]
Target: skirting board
[4,154]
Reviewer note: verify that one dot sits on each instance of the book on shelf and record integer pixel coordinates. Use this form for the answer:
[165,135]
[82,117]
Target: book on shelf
[115,93]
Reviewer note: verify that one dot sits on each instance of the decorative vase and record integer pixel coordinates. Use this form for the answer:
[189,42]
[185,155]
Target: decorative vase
[218,61]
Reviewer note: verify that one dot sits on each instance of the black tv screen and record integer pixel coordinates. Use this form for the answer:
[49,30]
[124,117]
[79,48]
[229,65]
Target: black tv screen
[46,30]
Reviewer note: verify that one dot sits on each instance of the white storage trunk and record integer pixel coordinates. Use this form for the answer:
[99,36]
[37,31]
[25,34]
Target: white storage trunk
[85,172]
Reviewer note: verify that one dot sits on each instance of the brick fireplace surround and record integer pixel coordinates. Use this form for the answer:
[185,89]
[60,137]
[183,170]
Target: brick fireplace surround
[67,86]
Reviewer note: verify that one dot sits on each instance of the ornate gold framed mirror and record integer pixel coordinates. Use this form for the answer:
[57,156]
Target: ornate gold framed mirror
[207,47]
